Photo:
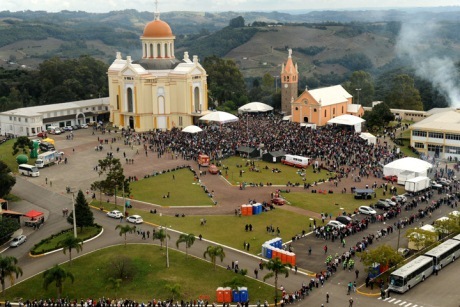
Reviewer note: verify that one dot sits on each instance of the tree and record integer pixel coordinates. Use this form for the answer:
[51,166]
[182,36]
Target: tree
[23,143]
[361,81]
[7,181]
[161,235]
[83,213]
[114,178]
[8,269]
[174,289]
[7,227]
[403,94]
[421,238]
[214,252]
[384,254]
[237,22]
[69,243]
[188,239]
[447,226]
[379,117]
[125,229]
[276,267]
[58,276]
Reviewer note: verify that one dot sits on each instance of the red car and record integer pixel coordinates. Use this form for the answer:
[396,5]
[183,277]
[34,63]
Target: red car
[41,134]
[213,169]
[392,178]
[279,201]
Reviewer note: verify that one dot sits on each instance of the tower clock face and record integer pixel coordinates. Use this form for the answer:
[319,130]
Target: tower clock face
[285,85]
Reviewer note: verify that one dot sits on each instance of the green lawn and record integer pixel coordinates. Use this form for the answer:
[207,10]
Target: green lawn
[50,243]
[288,173]
[183,190]
[6,155]
[230,230]
[150,278]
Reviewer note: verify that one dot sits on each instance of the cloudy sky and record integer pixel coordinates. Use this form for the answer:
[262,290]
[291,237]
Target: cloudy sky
[212,5]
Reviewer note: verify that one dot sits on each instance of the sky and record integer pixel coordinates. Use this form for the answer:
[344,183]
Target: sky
[212,5]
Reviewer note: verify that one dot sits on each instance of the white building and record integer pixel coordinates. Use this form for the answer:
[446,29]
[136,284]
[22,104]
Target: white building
[32,120]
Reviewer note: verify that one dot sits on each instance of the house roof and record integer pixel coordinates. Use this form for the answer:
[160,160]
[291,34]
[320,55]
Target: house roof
[447,121]
[330,95]
[353,108]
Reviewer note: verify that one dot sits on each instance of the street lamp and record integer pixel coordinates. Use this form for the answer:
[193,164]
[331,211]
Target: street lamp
[358,90]
[73,215]
[124,201]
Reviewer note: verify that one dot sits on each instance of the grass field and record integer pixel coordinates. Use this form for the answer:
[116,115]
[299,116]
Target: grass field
[150,278]
[288,173]
[49,244]
[183,190]
[230,230]
[6,155]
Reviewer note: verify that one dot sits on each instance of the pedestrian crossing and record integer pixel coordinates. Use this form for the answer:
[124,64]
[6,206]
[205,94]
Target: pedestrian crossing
[398,302]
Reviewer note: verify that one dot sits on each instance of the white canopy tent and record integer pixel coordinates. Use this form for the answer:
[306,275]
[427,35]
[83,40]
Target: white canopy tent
[219,117]
[419,167]
[287,118]
[192,129]
[370,138]
[254,107]
[348,120]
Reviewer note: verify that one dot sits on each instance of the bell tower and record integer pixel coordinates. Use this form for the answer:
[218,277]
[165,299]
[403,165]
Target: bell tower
[289,84]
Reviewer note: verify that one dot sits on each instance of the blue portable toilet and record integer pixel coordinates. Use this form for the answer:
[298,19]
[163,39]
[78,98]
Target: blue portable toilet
[244,296]
[278,243]
[269,253]
[264,250]
[235,296]
[272,242]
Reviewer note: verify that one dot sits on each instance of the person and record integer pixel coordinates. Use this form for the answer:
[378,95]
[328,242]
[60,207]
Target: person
[309,250]
[357,273]
[256,272]
[351,302]
[295,268]
[325,249]
[327,297]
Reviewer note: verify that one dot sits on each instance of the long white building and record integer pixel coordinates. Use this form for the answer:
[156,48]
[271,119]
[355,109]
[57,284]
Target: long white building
[32,120]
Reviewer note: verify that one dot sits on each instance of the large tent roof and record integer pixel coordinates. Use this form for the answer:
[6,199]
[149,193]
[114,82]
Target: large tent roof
[220,117]
[346,119]
[409,164]
[33,214]
[255,107]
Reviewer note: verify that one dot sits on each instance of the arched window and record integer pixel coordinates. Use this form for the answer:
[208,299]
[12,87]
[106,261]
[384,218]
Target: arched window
[333,111]
[342,109]
[287,78]
[151,51]
[161,105]
[130,100]
[158,51]
[197,99]
[166,51]
[325,113]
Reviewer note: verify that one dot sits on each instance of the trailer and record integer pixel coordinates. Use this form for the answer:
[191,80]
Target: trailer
[417,184]
[297,161]
[47,158]
[203,160]
[404,176]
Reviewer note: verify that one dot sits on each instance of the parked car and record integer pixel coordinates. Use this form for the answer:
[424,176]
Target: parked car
[404,251]
[392,178]
[390,202]
[135,219]
[436,185]
[68,128]
[75,127]
[41,134]
[344,219]
[84,126]
[366,210]
[399,198]
[279,201]
[115,214]
[336,224]
[18,241]
[382,205]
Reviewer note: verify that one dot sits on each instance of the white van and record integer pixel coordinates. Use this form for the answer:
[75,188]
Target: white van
[53,130]
[297,161]
[28,170]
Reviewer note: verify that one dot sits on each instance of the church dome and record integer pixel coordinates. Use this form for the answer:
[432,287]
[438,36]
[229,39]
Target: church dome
[157,29]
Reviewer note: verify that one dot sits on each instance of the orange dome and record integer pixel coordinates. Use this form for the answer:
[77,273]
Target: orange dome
[157,28]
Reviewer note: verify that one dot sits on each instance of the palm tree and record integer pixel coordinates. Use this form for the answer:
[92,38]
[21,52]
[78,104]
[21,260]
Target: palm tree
[161,235]
[175,289]
[276,267]
[69,243]
[8,268]
[125,229]
[213,252]
[56,275]
[187,239]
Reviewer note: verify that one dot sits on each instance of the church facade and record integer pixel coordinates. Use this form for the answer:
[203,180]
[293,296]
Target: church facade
[158,91]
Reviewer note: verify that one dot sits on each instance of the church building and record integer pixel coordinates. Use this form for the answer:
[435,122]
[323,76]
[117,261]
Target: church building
[157,91]
[316,106]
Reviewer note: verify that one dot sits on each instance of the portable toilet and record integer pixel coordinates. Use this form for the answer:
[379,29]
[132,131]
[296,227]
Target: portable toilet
[220,295]
[249,210]
[244,296]
[293,259]
[235,296]
[269,252]
[279,242]
[244,210]
[227,295]
[283,256]
[289,257]
[276,253]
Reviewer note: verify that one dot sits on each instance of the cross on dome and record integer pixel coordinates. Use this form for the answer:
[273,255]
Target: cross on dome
[157,12]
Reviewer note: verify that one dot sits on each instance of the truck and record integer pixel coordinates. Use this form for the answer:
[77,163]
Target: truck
[297,161]
[417,184]
[47,158]
[203,160]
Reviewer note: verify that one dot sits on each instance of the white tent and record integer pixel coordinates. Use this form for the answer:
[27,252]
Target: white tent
[419,167]
[348,120]
[370,138]
[255,107]
[287,117]
[192,129]
[219,117]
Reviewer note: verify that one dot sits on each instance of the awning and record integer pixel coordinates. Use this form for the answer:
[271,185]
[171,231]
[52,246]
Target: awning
[9,212]
[33,214]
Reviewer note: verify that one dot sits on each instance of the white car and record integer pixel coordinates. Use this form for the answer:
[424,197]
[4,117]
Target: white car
[335,224]
[18,241]
[84,126]
[367,210]
[135,219]
[115,214]
[390,202]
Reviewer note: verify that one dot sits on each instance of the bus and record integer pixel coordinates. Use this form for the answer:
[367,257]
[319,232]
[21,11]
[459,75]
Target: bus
[444,253]
[28,170]
[409,275]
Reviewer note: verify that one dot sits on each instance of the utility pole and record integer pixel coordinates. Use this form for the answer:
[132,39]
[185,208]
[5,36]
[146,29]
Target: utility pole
[124,201]
[73,214]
